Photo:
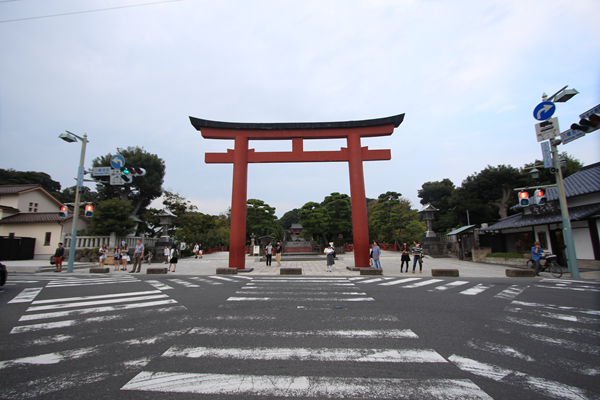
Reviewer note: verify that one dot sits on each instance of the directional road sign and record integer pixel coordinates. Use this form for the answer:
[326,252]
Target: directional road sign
[544,110]
[547,129]
[547,154]
[570,135]
[117,161]
[595,110]
[101,171]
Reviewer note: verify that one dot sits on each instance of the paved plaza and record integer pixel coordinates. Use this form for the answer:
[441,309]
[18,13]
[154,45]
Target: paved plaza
[390,262]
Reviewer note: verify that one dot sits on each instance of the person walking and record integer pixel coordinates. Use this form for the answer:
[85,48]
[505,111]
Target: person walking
[58,256]
[376,255]
[278,251]
[103,252]
[124,256]
[417,252]
[536,256]
[166,254]
[149,257]
[200,250]
[269,253]
[330,252]
[405,258]
[173,256]
[138,257]
[196,250]
[116,258]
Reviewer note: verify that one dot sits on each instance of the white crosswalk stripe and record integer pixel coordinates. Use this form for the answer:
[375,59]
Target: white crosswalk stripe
[206,281]
[76,281]
[476,290]
[184,283]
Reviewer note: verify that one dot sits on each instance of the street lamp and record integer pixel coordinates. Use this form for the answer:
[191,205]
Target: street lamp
[562,96]
[70,138]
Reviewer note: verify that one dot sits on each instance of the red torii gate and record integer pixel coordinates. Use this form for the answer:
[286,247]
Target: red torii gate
[354,154]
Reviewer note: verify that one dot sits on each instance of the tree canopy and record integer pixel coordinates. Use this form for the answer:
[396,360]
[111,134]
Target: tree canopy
[328,219]
[392,220]
[112,215]
[261,220]
[142,190]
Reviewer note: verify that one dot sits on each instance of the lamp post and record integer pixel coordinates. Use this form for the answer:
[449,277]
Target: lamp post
[562,96]
[70,138]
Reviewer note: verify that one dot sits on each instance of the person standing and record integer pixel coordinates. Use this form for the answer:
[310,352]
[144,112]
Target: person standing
[196,250]
[58,256]
[103,252]
[330,252]
[417,251]
[116,258]
[376,255]
[278,251]
[173,257]
[269,253]
[166,254]
[124,256]
[405,250]
[149,257]
[138,256]
[200,250]
[536,256]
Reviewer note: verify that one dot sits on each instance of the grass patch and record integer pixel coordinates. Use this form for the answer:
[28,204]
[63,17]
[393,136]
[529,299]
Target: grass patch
[505,255]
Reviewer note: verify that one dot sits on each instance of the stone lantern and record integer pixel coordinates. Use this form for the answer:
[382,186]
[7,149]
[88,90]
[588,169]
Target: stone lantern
[428,217]
[166,220]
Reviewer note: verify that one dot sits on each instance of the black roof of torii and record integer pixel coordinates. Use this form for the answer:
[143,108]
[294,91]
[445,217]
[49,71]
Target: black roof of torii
[198,123]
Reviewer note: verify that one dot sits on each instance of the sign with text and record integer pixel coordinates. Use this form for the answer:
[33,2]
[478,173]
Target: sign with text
[547,130]
[547,154]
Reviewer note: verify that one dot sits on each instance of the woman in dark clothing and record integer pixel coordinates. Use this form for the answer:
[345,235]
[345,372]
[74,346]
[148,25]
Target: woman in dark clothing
[405,250]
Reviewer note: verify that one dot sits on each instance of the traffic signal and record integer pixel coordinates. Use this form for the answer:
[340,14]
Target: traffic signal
[126,175]
[524,199]
[136,171]
[89,210]
[63,212]
[588,124]
[539,197]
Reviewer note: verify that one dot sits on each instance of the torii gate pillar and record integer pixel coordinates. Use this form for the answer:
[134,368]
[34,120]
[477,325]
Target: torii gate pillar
[354,154]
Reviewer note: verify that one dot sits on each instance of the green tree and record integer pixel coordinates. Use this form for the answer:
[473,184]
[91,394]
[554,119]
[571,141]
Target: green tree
[328,219]
[12,177]
[393,219]
[546,177]
[142,190]
[439,195]
[261,220]
[112,215]
[289,218]
[314,220]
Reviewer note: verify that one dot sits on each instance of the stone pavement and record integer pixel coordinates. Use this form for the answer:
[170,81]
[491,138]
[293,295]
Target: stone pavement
[390,262]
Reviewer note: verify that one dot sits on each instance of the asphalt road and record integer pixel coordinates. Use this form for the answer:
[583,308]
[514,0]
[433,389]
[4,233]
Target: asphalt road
[242,337]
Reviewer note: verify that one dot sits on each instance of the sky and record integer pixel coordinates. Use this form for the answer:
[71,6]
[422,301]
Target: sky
[467,74]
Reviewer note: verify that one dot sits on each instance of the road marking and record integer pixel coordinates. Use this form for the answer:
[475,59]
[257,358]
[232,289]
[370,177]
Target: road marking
[118,307]
[159,285]
[551,327]
[305,354]
[233,298]
[26,296]
[206,281]
[371,280]
[223,278]
[405,280]
[95,303]
[555,307]
[449,285]
[475,290]
[372,333]
[305,386]
[501,349]
[50,358]
[183,283]
[553,389]
[511,292]
[422,283]
[102,296]
[554,315]
[300,292]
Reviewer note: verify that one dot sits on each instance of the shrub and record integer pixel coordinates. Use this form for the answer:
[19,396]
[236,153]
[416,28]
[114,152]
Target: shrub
[506,255]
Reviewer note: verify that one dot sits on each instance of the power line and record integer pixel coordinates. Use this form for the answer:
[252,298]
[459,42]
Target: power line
[84,12]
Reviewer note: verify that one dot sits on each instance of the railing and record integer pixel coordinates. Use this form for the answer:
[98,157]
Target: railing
[92,242]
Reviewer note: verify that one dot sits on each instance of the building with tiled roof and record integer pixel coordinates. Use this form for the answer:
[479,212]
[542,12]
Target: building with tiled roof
[543,223]
[30,212]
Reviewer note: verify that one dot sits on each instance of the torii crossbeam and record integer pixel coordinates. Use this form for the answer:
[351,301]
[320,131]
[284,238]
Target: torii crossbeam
[241,155]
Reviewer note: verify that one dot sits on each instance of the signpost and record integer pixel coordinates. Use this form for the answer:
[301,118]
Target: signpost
[101,171]
[117,161]
[547,154]
[547,130]
[80,175]
[544,110]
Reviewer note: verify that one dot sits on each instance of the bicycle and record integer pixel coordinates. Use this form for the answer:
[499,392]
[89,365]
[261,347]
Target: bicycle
[548,262]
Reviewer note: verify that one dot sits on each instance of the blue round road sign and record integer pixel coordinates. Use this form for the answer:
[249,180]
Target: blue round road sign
[117,161]
[544,110]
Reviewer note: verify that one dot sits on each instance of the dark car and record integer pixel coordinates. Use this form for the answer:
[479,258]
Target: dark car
[3,274]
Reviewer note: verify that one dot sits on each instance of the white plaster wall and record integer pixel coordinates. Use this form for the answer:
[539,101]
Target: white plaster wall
[583,243]
[37,231]
[11,200]
[45,204]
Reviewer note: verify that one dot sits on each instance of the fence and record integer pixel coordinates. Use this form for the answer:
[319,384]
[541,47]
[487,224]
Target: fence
[92,242]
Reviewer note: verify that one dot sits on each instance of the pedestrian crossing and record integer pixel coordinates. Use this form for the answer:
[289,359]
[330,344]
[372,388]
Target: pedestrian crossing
[300,290]
[568,337]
